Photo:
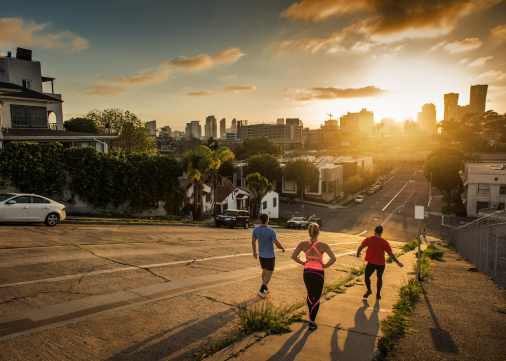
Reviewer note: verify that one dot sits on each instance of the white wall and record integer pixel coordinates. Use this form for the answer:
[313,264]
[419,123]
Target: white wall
[270,198]
[17,70]
[6,108]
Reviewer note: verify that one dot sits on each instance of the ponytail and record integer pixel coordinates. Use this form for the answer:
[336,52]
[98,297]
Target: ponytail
[314,230]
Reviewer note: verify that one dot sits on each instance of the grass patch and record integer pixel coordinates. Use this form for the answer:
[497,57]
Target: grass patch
[357,271]
[433,252]
[449,246]
[396,325]
[411,245]
[425,266]
[280,221]
[337,285]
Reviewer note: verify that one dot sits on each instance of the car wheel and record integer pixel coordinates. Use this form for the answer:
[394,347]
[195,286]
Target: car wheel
[232,225]
[306,227]
[246,225]
[52,219]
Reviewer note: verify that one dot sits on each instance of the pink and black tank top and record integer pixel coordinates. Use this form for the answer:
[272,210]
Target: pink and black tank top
[314,262]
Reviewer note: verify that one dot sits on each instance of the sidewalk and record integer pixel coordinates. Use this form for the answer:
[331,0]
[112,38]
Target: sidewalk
[348,326]
[462,316]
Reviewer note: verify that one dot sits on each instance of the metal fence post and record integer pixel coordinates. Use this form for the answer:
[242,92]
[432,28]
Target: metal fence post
[496,252]
[486,252]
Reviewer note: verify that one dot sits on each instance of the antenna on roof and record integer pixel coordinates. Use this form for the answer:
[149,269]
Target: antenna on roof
[330,115]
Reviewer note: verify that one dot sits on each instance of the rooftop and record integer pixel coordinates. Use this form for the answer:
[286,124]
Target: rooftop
[15,91]
[486,167]
[25,134]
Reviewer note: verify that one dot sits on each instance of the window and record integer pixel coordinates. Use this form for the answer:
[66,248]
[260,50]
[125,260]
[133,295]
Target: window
[23,199]
[482,205]
[502,189]
[28,117]
[27,84]
[483,188]
[274,202]
[264,205]
[37,200]
[208,197]
[500,206]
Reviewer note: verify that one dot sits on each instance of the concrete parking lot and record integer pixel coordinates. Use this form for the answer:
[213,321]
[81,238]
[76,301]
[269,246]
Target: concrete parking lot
[135,292]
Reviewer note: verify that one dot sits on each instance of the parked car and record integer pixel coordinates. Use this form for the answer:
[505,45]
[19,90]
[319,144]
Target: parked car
[232,218]
[359,199]
[370,191]
[30,208]
[318,221]
[286,200]
[297,222]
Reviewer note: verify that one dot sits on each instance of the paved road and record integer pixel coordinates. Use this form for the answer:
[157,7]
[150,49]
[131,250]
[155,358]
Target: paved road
[392,207]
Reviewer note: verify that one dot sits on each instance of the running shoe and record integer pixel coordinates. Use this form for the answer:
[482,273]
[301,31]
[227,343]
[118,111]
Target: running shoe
[367,294]
[261,294]
[313,326]
[378,297]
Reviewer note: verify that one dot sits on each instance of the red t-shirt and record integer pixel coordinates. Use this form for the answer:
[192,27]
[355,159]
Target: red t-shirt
[376,248]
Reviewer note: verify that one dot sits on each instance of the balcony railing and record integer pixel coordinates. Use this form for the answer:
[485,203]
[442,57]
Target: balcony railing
[463,196]
[463,176]
[52,126]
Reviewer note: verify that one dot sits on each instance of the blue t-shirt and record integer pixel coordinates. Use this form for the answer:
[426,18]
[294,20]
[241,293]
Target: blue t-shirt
[265,236]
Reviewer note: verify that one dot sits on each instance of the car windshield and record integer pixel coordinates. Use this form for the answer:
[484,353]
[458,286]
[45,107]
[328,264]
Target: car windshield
[6,196]
[297,219]
[230,213]
[313,219]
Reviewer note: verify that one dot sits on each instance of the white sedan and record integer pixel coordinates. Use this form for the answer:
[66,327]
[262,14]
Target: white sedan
[359,199]
[21,207]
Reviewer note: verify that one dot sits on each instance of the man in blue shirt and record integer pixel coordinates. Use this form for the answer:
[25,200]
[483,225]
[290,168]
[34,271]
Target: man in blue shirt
[266,239]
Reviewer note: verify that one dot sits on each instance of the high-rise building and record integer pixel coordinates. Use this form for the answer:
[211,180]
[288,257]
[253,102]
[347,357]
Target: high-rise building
[280,121]
[193,130]
[151,127]
[223,127]
[294,121]
[478,99]
[284,134]
[211,127]
[427,118]
[451,100]
[362,121]
[234,125]
[167,130]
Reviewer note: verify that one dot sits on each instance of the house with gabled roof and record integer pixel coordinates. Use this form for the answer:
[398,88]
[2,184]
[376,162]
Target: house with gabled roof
[25,107]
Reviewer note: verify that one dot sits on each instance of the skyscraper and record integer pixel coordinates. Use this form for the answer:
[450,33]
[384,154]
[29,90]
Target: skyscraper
[223,127]
[280,121]
[478,99]
[193,130]
[427,118]
[211,127]
[451,100]
[362,121]
[294,121]
[234,125]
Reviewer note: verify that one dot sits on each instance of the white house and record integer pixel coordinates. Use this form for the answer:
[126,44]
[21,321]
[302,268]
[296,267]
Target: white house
[232,198]
[331,178]
[484,187]
[270,204]
[206,199]
[25,108]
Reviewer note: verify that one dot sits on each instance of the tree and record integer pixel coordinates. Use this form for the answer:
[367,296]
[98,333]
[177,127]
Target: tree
[444,164]
[259,186]
[258,145]
[353,184]
[218,157]
[212,144]
[367,175]
[134,139]
[266,164]
[303,172]
[197,164]
[83,125]
[111,121]
[411,127]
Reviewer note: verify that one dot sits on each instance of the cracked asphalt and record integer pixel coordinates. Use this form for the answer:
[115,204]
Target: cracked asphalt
[135,293]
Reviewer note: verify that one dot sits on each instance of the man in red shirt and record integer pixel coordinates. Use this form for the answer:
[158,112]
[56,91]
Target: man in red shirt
[375,257]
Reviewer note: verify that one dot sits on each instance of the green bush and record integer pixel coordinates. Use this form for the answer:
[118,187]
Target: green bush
[425,266]
[433,252]
[357,271]
[411,245]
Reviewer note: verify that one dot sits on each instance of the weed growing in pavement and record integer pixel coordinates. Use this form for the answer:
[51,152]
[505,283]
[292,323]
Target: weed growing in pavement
[433,252]
[449,246]
[357,271]
[336,286]
[396,325]
[425,266]
[411,245]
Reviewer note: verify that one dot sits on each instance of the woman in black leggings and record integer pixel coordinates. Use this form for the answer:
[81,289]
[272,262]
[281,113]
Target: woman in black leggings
[375,256]
[314,276]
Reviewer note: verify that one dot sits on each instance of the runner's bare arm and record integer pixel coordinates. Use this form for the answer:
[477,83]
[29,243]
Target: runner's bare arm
[279,245]
[359,250]
[295,254]
[332,257]
[254,245]
[392,256]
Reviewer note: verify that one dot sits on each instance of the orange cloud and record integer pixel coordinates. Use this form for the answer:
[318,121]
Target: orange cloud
[464,45]
[328,93]
[17,32]
[318,10]
[499,32]
[204,61]
[238,88]
[161,74]
[330,44]
[480,61]
[492,75]
[204,93]
[110,91]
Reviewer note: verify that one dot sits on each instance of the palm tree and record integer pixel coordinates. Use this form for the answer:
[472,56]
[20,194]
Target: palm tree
[259,186]
[197,164]
[218,157]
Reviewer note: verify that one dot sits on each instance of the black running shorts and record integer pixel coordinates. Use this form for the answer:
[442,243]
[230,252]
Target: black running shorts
[267,263]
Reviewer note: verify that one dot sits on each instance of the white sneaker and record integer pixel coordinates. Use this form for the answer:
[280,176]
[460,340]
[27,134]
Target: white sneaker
[261,294]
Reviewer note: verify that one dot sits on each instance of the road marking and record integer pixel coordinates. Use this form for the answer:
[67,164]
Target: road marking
[395,196]
[360,235]
[148,266]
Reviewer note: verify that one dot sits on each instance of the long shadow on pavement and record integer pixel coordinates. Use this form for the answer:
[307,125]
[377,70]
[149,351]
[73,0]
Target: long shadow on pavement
[165,343]
[441,338]
[282,355]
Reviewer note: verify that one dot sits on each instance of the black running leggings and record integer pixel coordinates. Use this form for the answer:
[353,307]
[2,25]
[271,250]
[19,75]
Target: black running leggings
[369,270]
[314,280]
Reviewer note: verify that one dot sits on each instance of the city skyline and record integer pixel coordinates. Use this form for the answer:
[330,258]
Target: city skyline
[265,60]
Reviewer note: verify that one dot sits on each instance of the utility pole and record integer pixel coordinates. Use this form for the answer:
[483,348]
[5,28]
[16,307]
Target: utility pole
[419,214]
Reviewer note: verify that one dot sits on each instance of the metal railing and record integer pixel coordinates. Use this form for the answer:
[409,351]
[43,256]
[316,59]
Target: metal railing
[483,243]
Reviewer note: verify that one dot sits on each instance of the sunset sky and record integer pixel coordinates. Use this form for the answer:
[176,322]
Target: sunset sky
[178,61]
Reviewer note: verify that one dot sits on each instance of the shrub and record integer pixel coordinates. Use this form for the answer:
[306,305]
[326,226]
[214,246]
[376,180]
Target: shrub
[411,245]
[357,271]
[433,252]
[425,266]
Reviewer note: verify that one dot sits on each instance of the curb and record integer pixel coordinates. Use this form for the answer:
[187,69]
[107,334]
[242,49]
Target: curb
[134,224]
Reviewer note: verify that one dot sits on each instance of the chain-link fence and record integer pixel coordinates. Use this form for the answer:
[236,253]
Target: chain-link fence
[483,243]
